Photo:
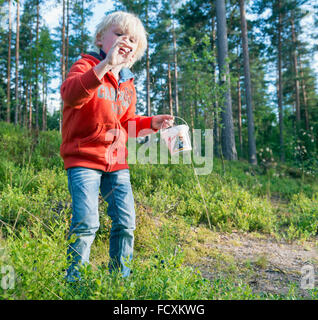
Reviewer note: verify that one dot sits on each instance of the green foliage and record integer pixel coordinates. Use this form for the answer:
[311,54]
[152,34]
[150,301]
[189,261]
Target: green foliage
[38,256]
[303,222]
[39,260]
[35,217]
[39,150]
[229,205]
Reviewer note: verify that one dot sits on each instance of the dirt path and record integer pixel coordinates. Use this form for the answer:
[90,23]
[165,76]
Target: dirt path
[266,264]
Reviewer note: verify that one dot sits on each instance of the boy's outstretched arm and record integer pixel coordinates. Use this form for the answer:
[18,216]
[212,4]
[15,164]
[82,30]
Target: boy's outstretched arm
[146,125]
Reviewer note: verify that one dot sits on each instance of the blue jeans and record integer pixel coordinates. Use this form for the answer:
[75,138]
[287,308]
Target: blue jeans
[84,185]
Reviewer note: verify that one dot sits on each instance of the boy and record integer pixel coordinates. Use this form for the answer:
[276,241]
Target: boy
[99,106]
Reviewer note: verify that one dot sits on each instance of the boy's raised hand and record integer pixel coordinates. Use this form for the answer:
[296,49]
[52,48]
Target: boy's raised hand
[120,55]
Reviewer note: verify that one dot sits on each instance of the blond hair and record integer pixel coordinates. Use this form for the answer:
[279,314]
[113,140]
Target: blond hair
[129,23]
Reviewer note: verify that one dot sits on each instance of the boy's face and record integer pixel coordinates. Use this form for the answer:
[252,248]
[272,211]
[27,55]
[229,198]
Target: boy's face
[115,33]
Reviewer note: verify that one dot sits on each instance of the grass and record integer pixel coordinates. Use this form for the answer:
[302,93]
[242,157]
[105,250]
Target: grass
[172,225]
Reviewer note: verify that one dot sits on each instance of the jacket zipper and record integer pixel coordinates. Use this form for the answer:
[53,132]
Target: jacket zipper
[110,157]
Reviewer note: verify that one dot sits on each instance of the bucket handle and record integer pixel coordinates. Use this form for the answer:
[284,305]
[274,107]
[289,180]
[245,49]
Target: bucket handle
[163,129]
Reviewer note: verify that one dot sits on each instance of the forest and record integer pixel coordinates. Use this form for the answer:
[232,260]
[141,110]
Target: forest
[246,69]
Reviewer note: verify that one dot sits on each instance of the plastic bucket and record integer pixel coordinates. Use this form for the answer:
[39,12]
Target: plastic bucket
[177,138]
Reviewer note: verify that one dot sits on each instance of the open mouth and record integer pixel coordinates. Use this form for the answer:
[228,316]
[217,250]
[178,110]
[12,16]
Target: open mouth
[124,50]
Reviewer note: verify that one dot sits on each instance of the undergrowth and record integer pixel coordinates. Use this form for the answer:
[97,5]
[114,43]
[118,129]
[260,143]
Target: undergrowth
[35,212]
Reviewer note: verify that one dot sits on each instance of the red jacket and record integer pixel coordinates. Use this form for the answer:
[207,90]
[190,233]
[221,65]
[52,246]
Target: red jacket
[95,117]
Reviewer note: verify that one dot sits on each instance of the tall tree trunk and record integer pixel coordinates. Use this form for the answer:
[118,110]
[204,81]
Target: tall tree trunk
[162,94]
[216,128]
[67,34]
[170,91]
[305,100]
[45,114]
[62,62]
[248,90]
[30,105]
[294,55]
[44,87]
[30,84]
[63,44]
[196,102]
[176,89]
[9,65]
[148,71]
[37,65]
[239,104]
[16,114]
[192,118]
[184,103]
[148,82]
[228,140]
[43,103]
[82,26]
[280,83]
[25,116]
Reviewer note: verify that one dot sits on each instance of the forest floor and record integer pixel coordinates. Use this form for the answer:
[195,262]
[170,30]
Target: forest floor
[267,264]
[264,263]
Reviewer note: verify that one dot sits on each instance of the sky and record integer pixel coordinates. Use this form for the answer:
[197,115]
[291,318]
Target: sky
[53,15]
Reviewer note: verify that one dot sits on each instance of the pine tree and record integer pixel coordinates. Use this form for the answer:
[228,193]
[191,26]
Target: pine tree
[175,56]
[197,18]
[37,64]
[47,61]
[228,141]
[248,90]
[17,42]
[273,26]
[3,60]
[28,61]
[9,63]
